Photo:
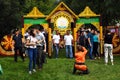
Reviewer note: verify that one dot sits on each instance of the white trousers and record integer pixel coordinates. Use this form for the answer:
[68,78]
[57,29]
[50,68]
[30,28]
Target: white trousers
[108,48]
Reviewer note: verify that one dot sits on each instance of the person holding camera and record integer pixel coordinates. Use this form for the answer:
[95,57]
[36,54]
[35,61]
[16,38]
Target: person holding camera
[80,60]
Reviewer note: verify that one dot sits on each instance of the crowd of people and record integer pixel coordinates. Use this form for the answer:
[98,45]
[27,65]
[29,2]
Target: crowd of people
[85,38]
[35,43]
[91,40]
[88,41]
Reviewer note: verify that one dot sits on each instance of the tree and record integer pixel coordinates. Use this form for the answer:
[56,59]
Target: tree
[11,11]
[108,9]
[10,16]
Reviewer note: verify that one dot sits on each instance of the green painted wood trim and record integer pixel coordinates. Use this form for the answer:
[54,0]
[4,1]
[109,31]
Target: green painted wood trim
[87,20]
[34,21]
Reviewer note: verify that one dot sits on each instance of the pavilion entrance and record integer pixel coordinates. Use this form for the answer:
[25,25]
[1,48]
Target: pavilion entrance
[62,19]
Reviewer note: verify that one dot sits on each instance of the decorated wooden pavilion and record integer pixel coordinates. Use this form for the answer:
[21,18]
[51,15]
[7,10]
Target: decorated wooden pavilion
[62,18]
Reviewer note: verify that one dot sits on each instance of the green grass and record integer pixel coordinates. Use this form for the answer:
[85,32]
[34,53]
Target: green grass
[59,69]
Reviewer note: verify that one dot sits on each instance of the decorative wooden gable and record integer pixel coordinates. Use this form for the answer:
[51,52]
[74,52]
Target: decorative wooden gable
[35,13]
[87,13]
[62,7]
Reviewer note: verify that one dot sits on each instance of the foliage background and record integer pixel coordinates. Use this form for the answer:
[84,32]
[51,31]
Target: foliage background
[11,11]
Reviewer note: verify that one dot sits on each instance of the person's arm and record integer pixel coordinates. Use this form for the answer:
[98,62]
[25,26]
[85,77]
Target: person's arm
[60,42]
[23,40]
[78,40]
[39,41]
[13,41]
[44,47]
[44,44]
[89,40]
[53,40]
[72,40]
[84,50]
[64,41]
[29,43]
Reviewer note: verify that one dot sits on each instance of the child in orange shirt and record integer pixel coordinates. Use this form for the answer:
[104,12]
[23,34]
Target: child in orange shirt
[80,60]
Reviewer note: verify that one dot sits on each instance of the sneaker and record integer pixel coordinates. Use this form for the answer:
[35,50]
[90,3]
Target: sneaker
[98,57]
[34,70]
[23,60]
[112,63]
[105,63]
[30,72]
[39,68]
[95,58]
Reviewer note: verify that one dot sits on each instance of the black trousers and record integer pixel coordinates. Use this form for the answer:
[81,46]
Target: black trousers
[82,72]
[95,49]
[18,50]
[40,57]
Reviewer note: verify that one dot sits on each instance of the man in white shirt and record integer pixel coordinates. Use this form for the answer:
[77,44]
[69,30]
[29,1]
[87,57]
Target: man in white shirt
[68,44]
[56,41]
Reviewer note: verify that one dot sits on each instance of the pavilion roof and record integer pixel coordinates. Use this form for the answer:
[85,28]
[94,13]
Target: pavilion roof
[35,13]
[88,13]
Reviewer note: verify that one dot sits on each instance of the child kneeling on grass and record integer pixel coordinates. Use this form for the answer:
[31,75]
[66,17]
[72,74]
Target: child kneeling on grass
[80,60]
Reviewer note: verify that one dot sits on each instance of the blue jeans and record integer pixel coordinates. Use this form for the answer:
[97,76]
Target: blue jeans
[32,53]
[56,47]
[90,51]
[69,52]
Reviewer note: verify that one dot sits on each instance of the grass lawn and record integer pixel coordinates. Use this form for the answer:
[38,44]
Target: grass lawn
[59,69]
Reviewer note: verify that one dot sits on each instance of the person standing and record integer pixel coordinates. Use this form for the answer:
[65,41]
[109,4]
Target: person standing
[56,41]
[46,39]
[90,43]
[95,45]
[98,34]
[17,43]
[27,33]
[68,38]
[41,47]
[81,39]
[108,47]
[32,50]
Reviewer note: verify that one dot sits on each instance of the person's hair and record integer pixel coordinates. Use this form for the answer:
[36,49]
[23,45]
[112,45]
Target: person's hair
[68,31]
[107,31]
[79,48]
[98,31]
[81,32]
[39,27]
[95,33]
[87,31]
[32,32]
[17,29]
[57,32]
